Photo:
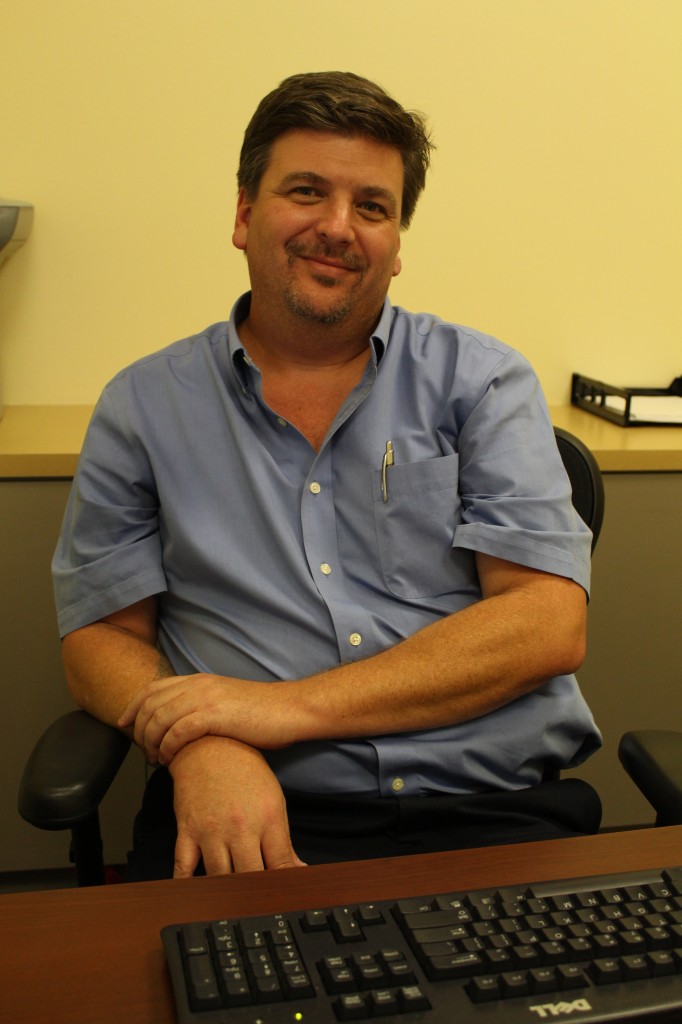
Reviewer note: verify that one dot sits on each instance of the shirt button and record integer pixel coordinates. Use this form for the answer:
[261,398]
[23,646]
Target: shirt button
[282,422]
[398,785]
[325,568]
[355,639]
[315,487]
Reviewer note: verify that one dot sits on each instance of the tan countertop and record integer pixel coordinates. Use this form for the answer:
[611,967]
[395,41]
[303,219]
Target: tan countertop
[623,449]
[42,440]
[45,441]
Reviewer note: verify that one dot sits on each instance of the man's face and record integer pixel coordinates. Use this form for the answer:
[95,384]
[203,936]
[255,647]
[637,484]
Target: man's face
[323,233]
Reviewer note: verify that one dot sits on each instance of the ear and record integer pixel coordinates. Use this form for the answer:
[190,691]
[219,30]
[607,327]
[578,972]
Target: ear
[397,263]
[241,222]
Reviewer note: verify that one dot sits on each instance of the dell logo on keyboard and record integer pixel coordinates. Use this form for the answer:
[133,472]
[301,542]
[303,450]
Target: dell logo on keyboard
[559,1009]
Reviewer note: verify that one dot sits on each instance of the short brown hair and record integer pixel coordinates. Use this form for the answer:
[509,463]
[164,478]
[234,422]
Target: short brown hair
[336,101]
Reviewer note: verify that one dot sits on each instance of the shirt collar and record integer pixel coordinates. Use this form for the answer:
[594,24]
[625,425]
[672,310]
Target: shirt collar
[378,340]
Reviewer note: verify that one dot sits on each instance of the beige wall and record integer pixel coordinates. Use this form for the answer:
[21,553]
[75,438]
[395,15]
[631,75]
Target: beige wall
[552,218]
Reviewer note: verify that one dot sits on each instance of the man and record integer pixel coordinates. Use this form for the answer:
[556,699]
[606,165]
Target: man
[322,559]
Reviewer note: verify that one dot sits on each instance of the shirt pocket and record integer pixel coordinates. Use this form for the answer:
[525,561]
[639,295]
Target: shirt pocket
[416,527]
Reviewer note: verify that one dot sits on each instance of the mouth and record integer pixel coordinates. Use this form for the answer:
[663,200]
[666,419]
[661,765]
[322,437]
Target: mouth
[336,265]
[328,268]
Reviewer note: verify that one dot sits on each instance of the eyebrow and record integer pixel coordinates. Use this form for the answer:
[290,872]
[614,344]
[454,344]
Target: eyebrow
[368,191]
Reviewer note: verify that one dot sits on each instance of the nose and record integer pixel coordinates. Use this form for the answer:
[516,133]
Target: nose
[335,223]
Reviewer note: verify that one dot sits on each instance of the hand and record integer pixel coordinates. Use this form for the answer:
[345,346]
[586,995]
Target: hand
[177,710]
[230,810]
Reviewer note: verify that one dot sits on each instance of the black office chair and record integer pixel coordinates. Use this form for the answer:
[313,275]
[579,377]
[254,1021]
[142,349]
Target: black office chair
[586,480]
[653,760]
[75,761]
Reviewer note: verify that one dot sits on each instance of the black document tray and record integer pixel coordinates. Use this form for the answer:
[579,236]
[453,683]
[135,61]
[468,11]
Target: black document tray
[594,396]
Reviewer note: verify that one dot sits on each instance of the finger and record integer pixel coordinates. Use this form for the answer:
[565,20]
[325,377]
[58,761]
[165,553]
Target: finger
[187,729]
[277,849]
[159,686]
[131,711]
[218,859]
[144,699]
[157,715]
[245,850]
[187,855]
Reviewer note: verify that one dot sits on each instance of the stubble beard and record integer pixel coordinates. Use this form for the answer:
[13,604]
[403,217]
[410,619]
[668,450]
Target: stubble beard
[303,307]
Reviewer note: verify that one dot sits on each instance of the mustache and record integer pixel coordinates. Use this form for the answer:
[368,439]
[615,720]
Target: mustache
[328,252]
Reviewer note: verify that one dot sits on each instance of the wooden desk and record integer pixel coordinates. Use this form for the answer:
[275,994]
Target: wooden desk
[94,955]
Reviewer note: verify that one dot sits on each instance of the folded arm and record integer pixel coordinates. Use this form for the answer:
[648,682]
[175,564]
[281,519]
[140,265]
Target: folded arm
[529,627]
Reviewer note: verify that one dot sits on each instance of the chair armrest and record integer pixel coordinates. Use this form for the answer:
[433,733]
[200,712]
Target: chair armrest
[69,771]
[653,760]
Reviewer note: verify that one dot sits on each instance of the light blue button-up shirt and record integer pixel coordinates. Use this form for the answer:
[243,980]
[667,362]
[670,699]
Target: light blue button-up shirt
[274,561]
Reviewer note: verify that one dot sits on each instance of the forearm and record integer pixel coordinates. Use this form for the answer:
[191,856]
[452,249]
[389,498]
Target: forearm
[457,669]
[106,665]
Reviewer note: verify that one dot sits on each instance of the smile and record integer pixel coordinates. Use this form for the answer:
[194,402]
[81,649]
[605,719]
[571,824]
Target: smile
[327,262]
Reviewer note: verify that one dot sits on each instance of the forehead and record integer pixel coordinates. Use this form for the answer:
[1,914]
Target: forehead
[356,160]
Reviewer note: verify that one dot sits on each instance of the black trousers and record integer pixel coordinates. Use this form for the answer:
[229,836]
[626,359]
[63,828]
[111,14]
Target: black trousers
[330,829]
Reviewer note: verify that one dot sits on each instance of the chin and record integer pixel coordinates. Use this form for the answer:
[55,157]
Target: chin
[319,312]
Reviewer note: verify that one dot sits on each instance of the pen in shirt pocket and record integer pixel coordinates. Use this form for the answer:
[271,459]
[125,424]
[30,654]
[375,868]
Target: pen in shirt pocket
[385,463]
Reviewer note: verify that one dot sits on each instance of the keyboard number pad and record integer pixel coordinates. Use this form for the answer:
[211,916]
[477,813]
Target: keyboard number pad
[228,965]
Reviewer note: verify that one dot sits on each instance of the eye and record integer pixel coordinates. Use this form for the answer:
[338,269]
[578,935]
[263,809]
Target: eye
[372,211]
[304,192]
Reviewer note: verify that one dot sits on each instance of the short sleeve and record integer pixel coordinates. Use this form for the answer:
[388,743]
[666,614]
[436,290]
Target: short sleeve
[515,493]
[109,551]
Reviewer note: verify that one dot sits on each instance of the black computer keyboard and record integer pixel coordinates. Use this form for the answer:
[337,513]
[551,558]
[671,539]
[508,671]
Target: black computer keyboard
[581,950]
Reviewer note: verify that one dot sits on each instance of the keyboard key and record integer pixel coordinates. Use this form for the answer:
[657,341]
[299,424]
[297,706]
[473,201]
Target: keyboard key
[253,938]
[662,963]
[297,986]
[371,976]
[527,956]
[314,921]
[605,971]
[658,938]
[351,1007]
[571,976]
[459,965]
[194,940]
[236,987]
[515,983]
[632,942]
[436,919]
[267,989]
[400,973]
[484,989]
[369,914]
[554,952]
[542,979]
[344,925]
[412,999]
[203,987]
[416,906]
[338,979]
[635,967]
[383,1002]
[224,938]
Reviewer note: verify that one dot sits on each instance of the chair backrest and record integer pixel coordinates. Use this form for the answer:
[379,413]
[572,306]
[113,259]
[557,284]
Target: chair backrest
[586,480]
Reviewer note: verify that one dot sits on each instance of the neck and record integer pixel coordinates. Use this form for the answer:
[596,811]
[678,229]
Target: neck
[294,342]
